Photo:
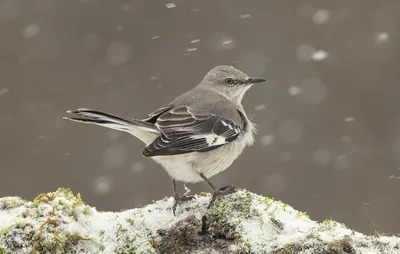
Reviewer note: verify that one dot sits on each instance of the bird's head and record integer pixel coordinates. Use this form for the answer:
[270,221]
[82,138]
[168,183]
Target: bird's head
[229,82]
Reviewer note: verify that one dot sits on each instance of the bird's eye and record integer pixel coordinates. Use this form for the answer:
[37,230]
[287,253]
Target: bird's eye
[229,81]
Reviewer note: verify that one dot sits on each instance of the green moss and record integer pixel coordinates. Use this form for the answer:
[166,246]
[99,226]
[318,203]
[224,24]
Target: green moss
[17,225]
[204,194]
[131,242]
[130,221]
[279,224]
[290,249]
[328,224]
[58,241]
[343,245]
[4,231]
[66,192]
[12,202]
[49,238]
[74,209]
[224,219]
[87,211]
[4,251]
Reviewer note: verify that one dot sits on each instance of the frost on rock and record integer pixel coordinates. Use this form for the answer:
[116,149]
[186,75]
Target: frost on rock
[243,222]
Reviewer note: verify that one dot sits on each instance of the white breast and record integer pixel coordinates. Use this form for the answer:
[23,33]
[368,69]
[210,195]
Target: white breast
[186,167]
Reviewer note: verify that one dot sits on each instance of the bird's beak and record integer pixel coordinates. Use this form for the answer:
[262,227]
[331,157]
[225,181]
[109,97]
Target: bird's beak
[255,80]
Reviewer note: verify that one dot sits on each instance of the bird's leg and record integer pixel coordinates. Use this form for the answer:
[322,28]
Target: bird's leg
[218,192]
[178,199]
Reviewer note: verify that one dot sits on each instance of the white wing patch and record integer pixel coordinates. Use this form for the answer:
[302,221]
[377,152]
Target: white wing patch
[212,139]
[227,124]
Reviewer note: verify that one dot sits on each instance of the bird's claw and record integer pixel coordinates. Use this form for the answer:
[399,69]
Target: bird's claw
[178,200]
[221,192]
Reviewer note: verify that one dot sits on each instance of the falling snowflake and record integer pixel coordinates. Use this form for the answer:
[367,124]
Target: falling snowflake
[102,185]
[114,157]
[294,90]
[381,38]
[321,16]
[219,41]
[342,162]
[267,140]
[31,30]
[3,91]
[126,7]
[260,107]
[319,55]
[137,167]
[322,157]
[170,5]
[304,52]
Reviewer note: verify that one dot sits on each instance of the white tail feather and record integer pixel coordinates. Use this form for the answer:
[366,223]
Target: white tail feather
[144,131]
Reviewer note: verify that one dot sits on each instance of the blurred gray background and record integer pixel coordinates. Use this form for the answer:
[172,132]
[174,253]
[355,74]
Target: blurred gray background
[328,119]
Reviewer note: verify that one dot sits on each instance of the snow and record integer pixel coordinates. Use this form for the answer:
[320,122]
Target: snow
[319,55]
[220,41]
[381,38]
[126,7]
[102,185]
[306,52]
[4,90]
[31,30]
[245,16]
[267,140]
[260,107]
[170,5]
[321,16]
[137,167]
[61,222]
[322,157]
[115,156]
[342,162]
[294,90]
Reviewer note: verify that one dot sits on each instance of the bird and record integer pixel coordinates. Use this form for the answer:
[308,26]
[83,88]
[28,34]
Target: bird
[197,135]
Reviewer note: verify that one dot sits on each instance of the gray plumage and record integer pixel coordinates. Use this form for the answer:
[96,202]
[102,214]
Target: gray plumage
[197,135]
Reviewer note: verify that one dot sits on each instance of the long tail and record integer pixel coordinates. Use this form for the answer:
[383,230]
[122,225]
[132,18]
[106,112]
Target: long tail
[142,130]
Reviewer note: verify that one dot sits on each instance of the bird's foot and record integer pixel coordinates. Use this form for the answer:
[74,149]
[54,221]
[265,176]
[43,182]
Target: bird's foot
[221,192]
[178,200]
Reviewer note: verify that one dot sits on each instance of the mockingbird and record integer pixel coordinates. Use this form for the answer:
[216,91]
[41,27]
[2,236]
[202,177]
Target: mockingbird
[197,135]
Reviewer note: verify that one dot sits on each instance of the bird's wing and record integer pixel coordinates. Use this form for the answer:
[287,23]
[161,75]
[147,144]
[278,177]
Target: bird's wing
[183,131]
[152,117]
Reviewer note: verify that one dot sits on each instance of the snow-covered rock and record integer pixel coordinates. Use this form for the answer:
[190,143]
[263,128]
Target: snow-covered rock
[243,222]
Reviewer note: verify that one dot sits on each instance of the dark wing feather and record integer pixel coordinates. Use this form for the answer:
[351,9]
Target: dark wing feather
[184,132]
[153,116]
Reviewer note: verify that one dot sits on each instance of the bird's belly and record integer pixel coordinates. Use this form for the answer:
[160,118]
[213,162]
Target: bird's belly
[187,167]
